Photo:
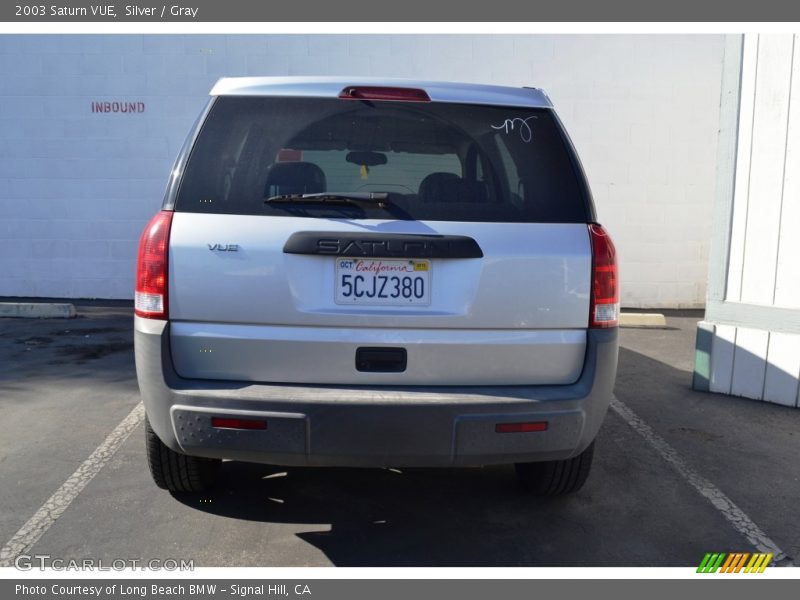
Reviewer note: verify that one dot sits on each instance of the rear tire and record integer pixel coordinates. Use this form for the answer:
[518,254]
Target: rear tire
[556,477]
[178,472]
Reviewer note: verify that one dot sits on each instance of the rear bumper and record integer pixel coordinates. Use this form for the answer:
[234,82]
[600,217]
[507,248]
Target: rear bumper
[436,356]
[373,426]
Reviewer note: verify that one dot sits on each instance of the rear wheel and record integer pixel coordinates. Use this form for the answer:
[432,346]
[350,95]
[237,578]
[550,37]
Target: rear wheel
[556,477]
[178,472]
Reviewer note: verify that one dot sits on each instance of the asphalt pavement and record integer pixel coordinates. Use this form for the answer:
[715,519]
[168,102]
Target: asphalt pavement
[65,384]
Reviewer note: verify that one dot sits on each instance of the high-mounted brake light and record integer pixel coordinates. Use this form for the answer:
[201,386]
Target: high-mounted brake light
[360,92]
[604,307]
[151,268]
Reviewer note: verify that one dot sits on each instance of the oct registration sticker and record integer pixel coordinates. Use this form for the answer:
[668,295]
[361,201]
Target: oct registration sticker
[388,282]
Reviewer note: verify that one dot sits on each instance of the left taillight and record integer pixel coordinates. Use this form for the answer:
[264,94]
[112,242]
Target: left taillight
[151,297]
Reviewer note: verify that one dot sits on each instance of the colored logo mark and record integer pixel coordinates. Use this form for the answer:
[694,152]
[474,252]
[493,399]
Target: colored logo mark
[734,562]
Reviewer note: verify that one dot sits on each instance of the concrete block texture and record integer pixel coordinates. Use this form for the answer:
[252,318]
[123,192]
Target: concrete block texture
[642,320]
[37,310]
[642,110]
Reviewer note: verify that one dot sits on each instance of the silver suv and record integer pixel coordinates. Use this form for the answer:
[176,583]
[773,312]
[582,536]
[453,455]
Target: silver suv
[376,273]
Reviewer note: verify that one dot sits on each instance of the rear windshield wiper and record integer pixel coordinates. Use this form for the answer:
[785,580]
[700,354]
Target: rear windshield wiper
[380,199]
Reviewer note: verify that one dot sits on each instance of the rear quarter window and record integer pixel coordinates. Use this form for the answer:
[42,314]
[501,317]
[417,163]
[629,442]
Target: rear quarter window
[437,161]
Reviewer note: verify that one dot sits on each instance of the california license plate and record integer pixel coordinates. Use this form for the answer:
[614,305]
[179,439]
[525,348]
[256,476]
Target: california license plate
[389,282]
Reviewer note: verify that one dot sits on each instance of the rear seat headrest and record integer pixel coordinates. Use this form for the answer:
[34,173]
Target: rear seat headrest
[294,178]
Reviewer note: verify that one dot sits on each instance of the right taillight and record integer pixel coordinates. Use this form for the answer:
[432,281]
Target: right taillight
[604,307]
[150,299]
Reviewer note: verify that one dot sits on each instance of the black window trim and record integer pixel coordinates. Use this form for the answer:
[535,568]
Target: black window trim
[184,155]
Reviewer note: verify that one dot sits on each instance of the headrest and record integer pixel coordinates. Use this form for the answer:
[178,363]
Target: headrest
[449,187]
[294,178]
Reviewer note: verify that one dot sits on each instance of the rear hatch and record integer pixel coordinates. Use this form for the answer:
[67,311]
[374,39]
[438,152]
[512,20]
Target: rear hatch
[331,241]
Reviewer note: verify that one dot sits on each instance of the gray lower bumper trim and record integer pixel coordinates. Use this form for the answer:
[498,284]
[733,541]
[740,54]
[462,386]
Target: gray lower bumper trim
[373,426]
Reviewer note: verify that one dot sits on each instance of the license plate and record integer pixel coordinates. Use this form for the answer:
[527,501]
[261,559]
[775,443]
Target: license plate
[389,282]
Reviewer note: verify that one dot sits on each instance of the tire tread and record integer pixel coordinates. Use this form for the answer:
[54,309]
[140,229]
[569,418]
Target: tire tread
[556,477]
[174,471]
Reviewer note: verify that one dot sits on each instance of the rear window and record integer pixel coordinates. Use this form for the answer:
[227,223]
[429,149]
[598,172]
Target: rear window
[437,161]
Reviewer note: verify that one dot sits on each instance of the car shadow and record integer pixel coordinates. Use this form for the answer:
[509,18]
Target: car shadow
[397,517]
[635,510]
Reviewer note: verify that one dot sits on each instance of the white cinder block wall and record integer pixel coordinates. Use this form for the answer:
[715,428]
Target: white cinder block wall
[76,187]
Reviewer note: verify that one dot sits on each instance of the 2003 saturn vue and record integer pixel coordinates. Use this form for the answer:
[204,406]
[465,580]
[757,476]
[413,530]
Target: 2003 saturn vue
[373,273]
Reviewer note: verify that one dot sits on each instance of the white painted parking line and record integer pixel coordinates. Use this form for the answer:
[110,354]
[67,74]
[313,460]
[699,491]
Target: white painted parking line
[39,523]
[727,508]
[55,506]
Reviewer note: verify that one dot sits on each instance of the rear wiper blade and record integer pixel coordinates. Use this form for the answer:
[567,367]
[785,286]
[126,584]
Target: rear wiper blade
[380,199]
